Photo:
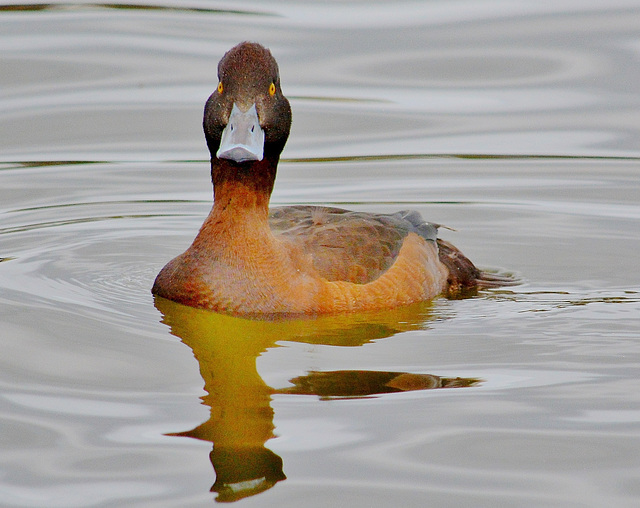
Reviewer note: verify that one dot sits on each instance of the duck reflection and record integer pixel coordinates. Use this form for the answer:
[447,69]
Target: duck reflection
[241,418]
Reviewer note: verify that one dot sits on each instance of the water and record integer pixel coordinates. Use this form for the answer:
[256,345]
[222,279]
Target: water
[516,124]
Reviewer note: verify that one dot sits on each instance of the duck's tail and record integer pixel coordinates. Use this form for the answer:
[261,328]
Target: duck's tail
[464,278]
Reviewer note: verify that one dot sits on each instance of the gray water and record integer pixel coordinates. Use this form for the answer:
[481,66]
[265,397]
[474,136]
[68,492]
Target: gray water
[517,124]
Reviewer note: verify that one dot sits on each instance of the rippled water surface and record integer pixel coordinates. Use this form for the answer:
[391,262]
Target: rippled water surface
[516,124]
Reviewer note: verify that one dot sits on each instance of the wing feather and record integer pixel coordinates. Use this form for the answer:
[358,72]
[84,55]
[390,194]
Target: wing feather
[348,246]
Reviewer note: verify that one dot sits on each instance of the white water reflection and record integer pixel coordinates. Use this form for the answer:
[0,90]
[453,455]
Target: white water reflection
[72,494]
[77,406]
[350,15]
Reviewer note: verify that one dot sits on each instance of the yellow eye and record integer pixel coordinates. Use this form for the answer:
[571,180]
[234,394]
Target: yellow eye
[272,89]
[220,87]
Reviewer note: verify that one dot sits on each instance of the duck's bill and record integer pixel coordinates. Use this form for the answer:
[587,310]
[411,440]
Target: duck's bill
[243,138]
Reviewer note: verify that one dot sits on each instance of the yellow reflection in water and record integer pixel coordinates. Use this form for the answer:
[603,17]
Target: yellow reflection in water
[241,418]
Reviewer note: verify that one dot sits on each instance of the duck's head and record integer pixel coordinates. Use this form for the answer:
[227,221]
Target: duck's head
[247,118]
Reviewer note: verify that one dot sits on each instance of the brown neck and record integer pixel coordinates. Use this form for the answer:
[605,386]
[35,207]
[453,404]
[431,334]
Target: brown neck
[233,181]
[241,189]
[241,204]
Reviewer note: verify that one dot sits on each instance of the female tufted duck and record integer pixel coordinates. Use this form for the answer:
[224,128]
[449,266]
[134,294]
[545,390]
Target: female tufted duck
[247,260]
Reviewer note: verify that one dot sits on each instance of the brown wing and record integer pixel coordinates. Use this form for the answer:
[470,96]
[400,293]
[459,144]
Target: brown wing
[350,246]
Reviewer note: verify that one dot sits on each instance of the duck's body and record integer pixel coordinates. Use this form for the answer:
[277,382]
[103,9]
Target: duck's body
[301,259]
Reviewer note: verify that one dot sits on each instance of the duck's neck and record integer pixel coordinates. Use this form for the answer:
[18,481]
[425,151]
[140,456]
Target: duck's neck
[241,201]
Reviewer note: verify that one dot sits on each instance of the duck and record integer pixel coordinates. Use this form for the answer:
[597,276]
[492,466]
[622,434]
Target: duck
[250,260]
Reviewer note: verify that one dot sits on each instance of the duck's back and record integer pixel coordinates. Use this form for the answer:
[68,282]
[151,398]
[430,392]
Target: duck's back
[348,246]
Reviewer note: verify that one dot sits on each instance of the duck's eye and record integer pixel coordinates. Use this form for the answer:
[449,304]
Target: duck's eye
[272,89]
[220,87]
